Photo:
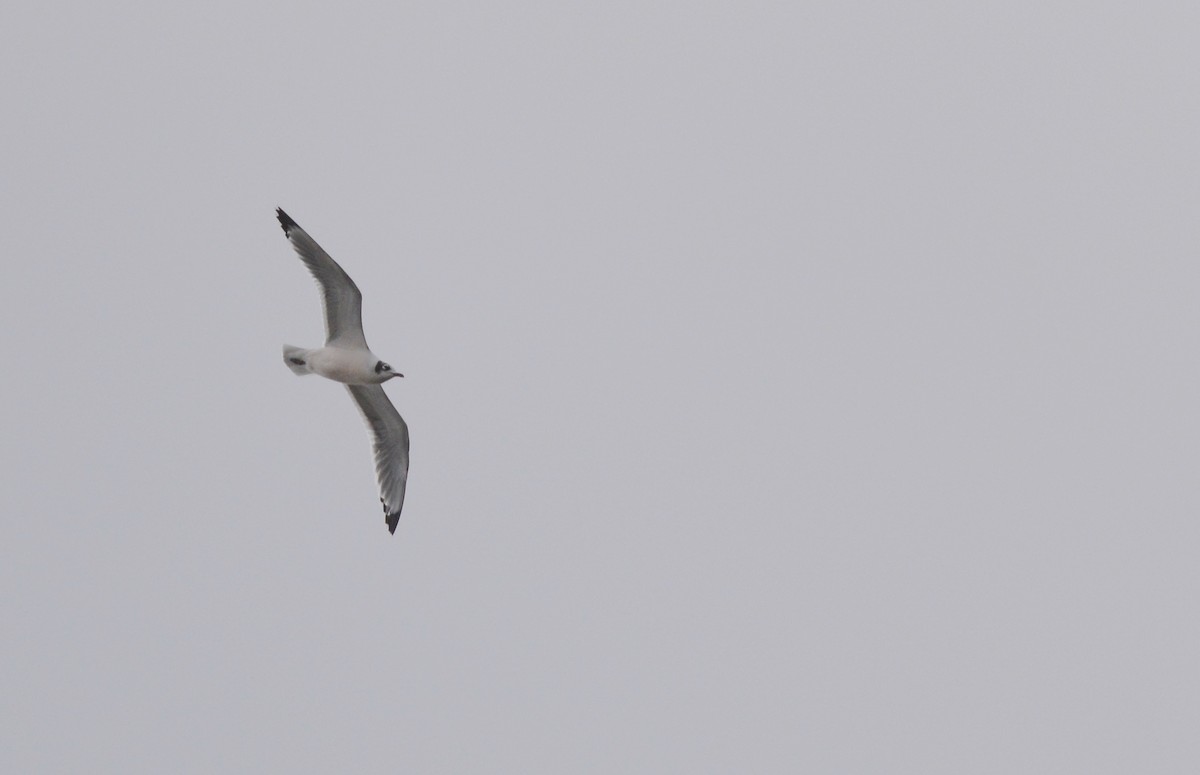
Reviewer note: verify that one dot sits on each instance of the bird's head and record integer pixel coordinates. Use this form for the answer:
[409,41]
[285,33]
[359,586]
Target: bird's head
[385,372]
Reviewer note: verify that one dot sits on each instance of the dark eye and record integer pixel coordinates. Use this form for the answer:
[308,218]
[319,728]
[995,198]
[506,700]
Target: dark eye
[387,367]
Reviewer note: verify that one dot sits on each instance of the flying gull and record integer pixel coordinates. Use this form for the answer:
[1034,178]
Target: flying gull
[346,358]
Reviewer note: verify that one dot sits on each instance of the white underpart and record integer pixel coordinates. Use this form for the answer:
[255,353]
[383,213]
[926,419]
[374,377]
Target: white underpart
[349,365]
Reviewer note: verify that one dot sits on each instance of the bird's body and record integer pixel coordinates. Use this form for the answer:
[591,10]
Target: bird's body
[346,358]
[350,366]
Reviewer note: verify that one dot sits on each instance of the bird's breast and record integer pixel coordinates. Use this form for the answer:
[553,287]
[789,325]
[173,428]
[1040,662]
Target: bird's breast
[353,367]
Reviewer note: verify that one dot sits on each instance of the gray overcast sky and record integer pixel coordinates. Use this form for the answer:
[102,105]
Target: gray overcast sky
[794,387]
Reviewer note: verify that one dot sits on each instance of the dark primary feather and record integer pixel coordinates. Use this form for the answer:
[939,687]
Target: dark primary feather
[340,297]
[285,220]
[389,433]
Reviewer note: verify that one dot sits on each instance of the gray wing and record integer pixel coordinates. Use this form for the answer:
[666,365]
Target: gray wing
[340,297]
[390,436]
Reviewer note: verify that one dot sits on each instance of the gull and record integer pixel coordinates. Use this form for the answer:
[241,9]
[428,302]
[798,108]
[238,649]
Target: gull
[346,358]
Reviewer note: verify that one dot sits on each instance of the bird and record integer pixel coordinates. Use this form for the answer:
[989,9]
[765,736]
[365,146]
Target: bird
[346,358]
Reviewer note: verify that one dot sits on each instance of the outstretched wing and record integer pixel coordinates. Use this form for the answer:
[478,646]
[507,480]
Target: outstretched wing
[339,295]
[390,435]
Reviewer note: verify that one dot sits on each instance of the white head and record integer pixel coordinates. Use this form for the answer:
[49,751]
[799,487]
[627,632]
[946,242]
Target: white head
[385,372]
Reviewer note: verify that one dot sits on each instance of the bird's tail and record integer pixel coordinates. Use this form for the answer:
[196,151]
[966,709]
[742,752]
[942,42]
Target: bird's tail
[296,359]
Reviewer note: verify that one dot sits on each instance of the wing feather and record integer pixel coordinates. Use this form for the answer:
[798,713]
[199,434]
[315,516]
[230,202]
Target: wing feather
[340,297]
[389,434]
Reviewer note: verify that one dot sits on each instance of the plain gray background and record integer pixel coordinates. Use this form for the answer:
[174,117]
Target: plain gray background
[793,387]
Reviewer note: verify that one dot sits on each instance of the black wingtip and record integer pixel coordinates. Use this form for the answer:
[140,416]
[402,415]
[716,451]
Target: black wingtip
[392,519]
[285,220]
